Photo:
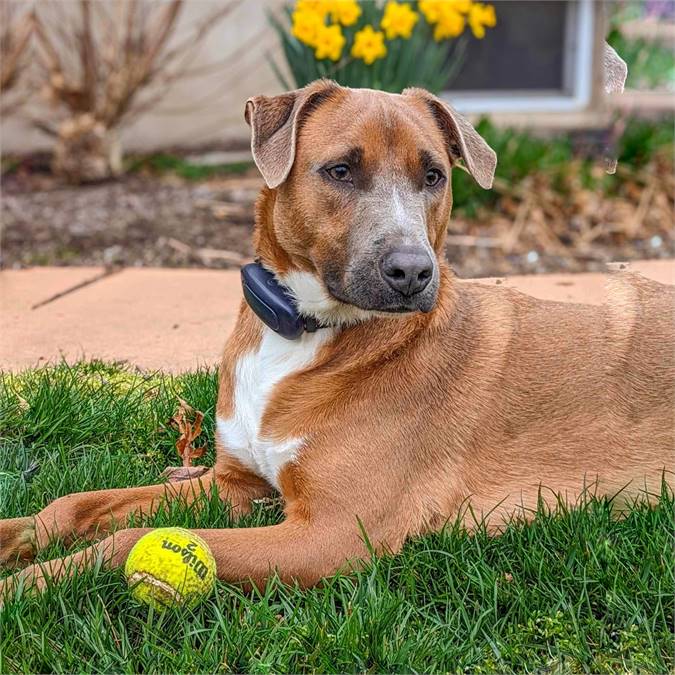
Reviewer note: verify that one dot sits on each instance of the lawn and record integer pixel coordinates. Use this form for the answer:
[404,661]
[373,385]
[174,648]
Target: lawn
[577,591]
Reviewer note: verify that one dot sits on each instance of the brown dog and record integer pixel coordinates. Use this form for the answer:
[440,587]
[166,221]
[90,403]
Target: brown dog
[418,396]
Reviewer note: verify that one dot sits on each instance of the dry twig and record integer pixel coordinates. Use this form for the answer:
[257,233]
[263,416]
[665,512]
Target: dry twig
[16,29]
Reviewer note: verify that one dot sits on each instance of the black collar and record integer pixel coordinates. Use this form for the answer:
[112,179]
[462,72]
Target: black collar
[274,304]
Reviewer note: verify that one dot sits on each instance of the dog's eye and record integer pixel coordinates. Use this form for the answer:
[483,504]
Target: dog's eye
[340,172]
[433,177]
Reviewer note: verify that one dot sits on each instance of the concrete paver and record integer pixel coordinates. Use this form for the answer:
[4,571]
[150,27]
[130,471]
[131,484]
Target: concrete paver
[21,289]
[155,318]
[175,320]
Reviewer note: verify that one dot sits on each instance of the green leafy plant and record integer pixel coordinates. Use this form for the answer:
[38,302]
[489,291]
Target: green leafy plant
[650,65]
[522,154]
[386,46]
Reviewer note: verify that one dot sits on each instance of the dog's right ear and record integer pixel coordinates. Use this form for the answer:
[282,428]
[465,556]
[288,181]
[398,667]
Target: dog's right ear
[274,122]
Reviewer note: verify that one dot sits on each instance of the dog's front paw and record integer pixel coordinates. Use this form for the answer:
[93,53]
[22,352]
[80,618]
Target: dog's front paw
[17,541]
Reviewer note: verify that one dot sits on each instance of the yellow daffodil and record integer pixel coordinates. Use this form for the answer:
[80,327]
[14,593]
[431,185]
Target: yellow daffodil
[463,6]
[398,20]
[431,9]
[329,43]
[306,26]
[346,12]
[445,13]
[481,16]
[319,7]
[450,23]
[369,45]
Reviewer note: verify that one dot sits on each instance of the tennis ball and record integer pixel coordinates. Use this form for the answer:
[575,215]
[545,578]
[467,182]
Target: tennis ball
[170,566]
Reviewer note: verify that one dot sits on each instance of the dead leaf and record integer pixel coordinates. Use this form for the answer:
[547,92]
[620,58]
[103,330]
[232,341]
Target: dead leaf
[188,421]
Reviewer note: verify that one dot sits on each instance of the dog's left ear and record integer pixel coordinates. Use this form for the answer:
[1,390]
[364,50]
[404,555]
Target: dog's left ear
[463,141]
[274,122]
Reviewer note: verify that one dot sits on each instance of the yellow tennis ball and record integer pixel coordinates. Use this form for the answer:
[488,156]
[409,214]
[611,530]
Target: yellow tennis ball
[170,566]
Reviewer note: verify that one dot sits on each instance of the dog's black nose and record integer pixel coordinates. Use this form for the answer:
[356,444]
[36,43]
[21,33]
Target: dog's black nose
[407,270]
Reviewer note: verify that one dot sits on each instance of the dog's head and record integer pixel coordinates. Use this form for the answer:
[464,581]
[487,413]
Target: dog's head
[362,194]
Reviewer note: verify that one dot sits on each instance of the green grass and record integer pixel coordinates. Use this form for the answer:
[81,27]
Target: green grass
[166,163]
[579,591]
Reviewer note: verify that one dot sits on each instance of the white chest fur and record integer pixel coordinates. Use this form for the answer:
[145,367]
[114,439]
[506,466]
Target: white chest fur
[256,375]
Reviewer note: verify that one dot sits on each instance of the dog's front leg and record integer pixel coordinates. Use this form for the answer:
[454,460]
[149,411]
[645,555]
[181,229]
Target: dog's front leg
[89,515]
[296,551]
[109,552]
[94,514]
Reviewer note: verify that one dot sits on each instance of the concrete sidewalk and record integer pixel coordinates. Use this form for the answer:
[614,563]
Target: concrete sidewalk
[170,319]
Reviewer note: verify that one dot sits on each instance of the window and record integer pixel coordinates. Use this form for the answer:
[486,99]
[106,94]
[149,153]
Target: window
[539,57]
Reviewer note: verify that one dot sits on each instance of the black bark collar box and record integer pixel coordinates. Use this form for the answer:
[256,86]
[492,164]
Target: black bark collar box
[273,303]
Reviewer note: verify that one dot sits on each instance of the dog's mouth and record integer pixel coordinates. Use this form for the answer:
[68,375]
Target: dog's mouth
[379,303]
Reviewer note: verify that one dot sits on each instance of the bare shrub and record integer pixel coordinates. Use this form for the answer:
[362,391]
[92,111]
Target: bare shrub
[101,65]
[16,26]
